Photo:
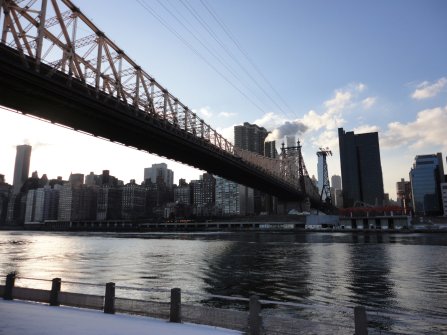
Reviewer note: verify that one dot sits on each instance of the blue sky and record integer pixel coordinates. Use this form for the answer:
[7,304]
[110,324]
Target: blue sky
[361,65]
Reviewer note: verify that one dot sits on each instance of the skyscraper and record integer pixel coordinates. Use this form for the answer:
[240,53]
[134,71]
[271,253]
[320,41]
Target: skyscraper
[42,204]
[204,191]
[250,137]
[21,168]
[159,172]
[336,192]
[133,201]
[361,169]
[77,202]
[403,192]
[426,177]
[182,193]
[233,198]
[109,202]
[270,149]
[336,182]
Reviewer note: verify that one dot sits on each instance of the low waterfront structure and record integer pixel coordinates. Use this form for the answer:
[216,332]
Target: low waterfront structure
[385,222]
[314,221]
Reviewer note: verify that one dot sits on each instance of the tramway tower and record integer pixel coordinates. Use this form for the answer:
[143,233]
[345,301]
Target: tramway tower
[326,188]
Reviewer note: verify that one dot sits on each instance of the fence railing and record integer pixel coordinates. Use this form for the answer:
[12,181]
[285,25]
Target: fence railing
[253,321]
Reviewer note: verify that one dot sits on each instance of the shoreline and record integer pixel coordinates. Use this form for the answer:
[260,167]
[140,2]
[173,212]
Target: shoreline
[178,229]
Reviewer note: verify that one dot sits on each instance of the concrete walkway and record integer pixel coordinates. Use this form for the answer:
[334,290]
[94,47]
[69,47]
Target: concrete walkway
[25,318]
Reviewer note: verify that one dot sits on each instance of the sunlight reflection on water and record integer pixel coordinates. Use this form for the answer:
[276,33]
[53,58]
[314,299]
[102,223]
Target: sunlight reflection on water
[389,273]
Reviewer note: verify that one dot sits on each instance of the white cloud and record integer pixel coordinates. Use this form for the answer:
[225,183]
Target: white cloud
[341,100]
[328,138]
[368,102]
[227,114]
[366,129]
[427,130]
[360,87]
[320,127]
[332,118]
[427,90]
[227,132]
[327,120]
[203,112]
[295,127]
[207,113]
[270,121]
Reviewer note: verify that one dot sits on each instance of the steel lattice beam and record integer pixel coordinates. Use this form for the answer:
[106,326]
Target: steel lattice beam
[54,36]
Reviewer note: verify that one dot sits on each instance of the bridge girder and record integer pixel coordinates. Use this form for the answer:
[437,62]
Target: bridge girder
[71,73]
[81,108]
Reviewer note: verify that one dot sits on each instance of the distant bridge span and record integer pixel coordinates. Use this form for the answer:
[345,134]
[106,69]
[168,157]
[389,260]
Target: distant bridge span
[51,69]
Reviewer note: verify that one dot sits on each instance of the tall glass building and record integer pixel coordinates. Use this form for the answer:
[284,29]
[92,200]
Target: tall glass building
[21,168]
[425,177]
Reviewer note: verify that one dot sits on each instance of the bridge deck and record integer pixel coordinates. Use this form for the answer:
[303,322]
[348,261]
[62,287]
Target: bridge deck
[68,101]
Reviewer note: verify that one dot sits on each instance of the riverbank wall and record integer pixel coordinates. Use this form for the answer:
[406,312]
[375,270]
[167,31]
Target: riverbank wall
[302,223]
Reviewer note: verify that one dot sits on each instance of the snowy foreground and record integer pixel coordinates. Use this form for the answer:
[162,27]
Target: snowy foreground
[23,318]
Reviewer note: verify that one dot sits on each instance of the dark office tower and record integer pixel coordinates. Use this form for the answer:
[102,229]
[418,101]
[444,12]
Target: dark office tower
[21,168]
[250,137]
[361,170]
[270,149]
[76,179]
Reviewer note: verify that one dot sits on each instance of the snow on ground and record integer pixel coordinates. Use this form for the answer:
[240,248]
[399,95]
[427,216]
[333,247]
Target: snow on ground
[24,318]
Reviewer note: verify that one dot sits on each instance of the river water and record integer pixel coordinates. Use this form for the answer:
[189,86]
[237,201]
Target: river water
[400,278]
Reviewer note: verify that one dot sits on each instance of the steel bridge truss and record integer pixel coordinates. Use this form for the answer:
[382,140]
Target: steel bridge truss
[58,34]
[55,32]
[294,169]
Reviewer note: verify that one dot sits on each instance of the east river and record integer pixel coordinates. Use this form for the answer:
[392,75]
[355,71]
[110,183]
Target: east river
[400,278]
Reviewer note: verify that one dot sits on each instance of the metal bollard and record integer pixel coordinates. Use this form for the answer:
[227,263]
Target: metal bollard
[176,306]
[54,294]
[360,321]
[109,299]
[10,281]
[254,317]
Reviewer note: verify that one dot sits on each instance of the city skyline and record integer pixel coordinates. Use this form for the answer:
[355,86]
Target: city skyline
[388,78]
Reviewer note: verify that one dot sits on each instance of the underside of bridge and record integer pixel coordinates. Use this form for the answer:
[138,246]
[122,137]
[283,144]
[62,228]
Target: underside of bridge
[61,99]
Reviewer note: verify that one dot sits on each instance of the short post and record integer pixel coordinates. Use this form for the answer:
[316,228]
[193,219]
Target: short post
[176,306]
[10,281]
[360,321]
[109,300]
[254,316]
[54,294]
